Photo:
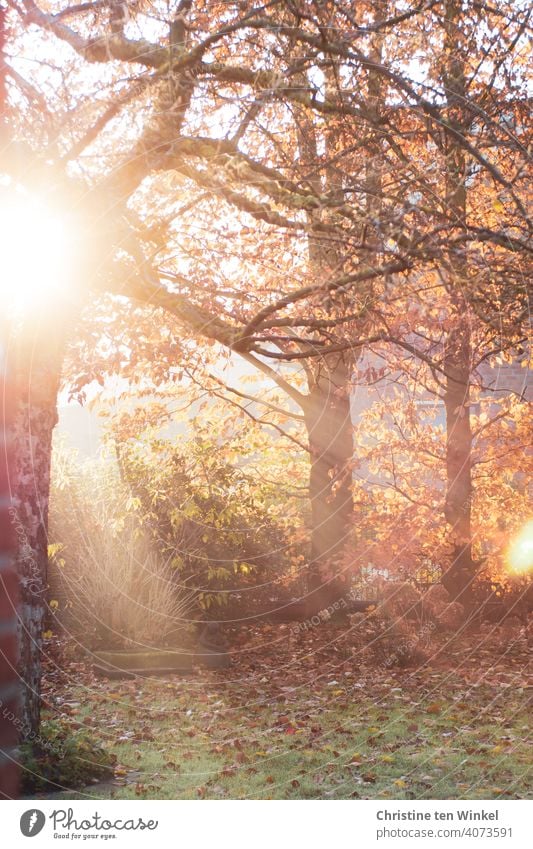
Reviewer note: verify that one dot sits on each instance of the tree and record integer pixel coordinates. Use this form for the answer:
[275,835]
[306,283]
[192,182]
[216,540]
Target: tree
[168,121]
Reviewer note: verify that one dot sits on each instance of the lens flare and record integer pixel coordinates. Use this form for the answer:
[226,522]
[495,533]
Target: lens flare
[520,551]
[33,250]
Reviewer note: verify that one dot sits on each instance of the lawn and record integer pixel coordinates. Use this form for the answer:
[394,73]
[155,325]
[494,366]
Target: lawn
[304,718]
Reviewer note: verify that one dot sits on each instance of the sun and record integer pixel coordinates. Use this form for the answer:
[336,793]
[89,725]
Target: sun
[34,251]
[520,551]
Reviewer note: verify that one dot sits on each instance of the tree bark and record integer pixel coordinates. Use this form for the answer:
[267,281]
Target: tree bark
[458,505]
[327,417]
[327,412]
[330,430]
[9,685]
[38,371]
[457,579]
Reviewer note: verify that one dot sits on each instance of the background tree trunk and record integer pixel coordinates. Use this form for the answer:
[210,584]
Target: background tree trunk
[327,410]
[458,505]
[330,432]
[328,413]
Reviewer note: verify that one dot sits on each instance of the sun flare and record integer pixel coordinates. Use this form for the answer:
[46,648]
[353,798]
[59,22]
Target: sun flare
[33,250]
[520,551]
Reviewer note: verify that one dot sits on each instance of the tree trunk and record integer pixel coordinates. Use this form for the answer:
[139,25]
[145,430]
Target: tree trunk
[329,427]
[9,686]
[458,506]
[35,415]
[327,412]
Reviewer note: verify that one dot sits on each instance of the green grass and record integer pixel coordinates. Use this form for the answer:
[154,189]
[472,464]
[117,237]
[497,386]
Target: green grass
[334,734]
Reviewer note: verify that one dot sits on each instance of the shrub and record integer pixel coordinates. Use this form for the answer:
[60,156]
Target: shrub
[225,529]
[112,583]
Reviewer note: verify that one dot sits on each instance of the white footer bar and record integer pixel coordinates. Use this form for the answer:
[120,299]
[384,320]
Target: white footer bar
[274,824]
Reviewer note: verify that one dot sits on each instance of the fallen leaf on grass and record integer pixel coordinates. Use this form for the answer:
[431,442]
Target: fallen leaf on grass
[120,771]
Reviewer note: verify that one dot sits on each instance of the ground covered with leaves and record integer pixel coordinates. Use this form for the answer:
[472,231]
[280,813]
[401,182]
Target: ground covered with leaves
[303,716]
